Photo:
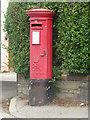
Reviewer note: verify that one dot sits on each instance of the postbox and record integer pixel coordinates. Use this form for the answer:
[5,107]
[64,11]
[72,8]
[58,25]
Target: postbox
[40,48]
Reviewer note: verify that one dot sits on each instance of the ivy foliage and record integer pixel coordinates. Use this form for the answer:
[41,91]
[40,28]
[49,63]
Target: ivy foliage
[70,35]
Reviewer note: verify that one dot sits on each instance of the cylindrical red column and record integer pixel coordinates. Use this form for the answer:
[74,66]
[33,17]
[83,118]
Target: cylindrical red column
[40,53]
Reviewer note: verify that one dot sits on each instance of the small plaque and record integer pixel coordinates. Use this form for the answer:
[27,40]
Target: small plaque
[35,37]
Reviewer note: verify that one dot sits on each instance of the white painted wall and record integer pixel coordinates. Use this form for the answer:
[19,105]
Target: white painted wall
[12,76]
[4,5]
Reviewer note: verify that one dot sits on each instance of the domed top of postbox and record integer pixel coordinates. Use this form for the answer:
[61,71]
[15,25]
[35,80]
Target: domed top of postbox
[40,12]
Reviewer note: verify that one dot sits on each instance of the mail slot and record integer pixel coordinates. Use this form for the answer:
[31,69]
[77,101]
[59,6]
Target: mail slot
[40,53]
[36,25]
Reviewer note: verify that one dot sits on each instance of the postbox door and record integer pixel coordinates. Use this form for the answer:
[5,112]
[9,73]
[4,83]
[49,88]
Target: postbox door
[38,52]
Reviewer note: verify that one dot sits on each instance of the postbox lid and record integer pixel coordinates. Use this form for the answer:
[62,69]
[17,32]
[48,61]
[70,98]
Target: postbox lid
[40,12]
[39,9]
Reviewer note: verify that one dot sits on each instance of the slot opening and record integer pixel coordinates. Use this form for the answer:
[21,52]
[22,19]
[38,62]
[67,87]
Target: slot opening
[35,25]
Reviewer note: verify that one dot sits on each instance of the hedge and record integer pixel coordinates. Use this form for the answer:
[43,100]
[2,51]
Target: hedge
[70,36]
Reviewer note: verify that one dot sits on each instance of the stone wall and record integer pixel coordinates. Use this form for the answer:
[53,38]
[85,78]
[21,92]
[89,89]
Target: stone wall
[23,85]
[75,89]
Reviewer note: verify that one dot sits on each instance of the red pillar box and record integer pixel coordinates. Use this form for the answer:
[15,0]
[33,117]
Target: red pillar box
[40,53]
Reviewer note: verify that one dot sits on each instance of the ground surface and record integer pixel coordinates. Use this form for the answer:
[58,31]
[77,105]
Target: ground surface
[8,90]
[56,109]
[4,114]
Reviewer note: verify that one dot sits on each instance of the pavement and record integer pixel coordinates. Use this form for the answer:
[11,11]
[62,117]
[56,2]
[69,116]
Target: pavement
[21,109]
[4,114]
[8,89]
[8,85]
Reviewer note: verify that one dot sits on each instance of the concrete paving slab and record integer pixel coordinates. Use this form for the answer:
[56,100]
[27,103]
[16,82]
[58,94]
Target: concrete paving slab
[12,106]
[3,114]
[8,76]
[53,111]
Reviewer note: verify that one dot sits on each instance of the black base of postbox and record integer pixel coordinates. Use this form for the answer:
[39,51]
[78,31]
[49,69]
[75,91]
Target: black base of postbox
[40,92]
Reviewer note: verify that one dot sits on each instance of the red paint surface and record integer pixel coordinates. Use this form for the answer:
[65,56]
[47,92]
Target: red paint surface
[41,54]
